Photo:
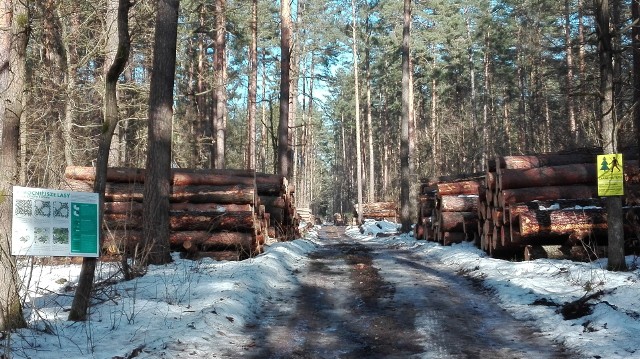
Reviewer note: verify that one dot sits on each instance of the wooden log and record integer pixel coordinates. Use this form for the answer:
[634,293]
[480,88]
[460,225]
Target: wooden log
[179,177]
[457,188]
[491,181]
[515,209]
[579,253]
[511,196]
[459,203]
[543,160]
[194,221]
[216,255]
[114,174]
[209,208]
[189,221]
[202,239]
[577,224]
[236,194]
[497,216]
[454,221]
[583,173]
[124,192]
[273,202]
[449,238]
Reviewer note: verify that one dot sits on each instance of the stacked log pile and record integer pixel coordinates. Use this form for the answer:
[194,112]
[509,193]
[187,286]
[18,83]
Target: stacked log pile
[378,211]
[538,203]
[217,213]
[304,214]
[425,211]
[448,209]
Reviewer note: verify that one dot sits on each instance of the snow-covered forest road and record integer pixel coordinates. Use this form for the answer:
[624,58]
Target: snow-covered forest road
[376,300]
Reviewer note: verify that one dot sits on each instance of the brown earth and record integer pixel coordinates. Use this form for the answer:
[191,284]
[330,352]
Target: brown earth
[367,300]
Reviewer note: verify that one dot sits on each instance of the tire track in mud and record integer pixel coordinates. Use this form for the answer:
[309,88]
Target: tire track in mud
[364,300]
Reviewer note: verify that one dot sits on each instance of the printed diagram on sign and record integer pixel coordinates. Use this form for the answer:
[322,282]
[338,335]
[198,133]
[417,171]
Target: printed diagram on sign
[60,209]
[42,210]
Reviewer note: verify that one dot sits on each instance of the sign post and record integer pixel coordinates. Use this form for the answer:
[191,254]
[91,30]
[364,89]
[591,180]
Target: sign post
[610,175]
[50,222]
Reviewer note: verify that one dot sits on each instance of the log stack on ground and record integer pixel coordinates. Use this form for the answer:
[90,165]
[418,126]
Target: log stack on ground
[305,215]
[217,213]
[378,211]
[426,206]
[448,209]
[543,200]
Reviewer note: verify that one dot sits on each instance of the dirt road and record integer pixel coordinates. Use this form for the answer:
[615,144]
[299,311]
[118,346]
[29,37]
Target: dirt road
[366,300]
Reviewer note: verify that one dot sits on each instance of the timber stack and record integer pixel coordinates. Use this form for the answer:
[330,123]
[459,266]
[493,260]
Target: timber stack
[545,203]
[223,214]
[447,209]
[426,206]
[378,211]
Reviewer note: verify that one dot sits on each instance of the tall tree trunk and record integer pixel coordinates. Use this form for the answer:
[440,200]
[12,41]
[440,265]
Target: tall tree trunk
[205,151]
[371,191]
[264,138]
[582,67]
[284,165]
[486,105]
[253,83]
[474,96]
[609,135]
[571,115]
[357,111]
[111,49]
[70,33]
[635,36]
[82,298]
[405,169]
[15,21]
[219,91]
[155,216]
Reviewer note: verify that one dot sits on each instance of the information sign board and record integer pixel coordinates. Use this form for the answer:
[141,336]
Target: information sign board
[50,222]
[610,175]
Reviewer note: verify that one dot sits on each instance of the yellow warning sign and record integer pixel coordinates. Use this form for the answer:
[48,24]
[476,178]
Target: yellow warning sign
[610,175]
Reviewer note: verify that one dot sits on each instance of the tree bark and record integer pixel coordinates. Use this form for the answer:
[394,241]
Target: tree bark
[252,90]
[547,176]
[511,196]
[570,108]
[613,204]
[16,21]
[576,224]
[158,169]
[219,90]
[284,166]
[405,155]
[81,300]
[356,96]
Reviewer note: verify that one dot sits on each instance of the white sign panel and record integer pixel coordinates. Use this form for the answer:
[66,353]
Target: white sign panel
[49,222]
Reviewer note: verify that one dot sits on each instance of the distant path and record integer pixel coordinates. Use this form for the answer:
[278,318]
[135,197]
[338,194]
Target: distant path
[366,300]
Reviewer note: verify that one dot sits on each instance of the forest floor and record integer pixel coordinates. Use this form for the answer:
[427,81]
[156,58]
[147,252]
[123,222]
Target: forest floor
[373,300]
